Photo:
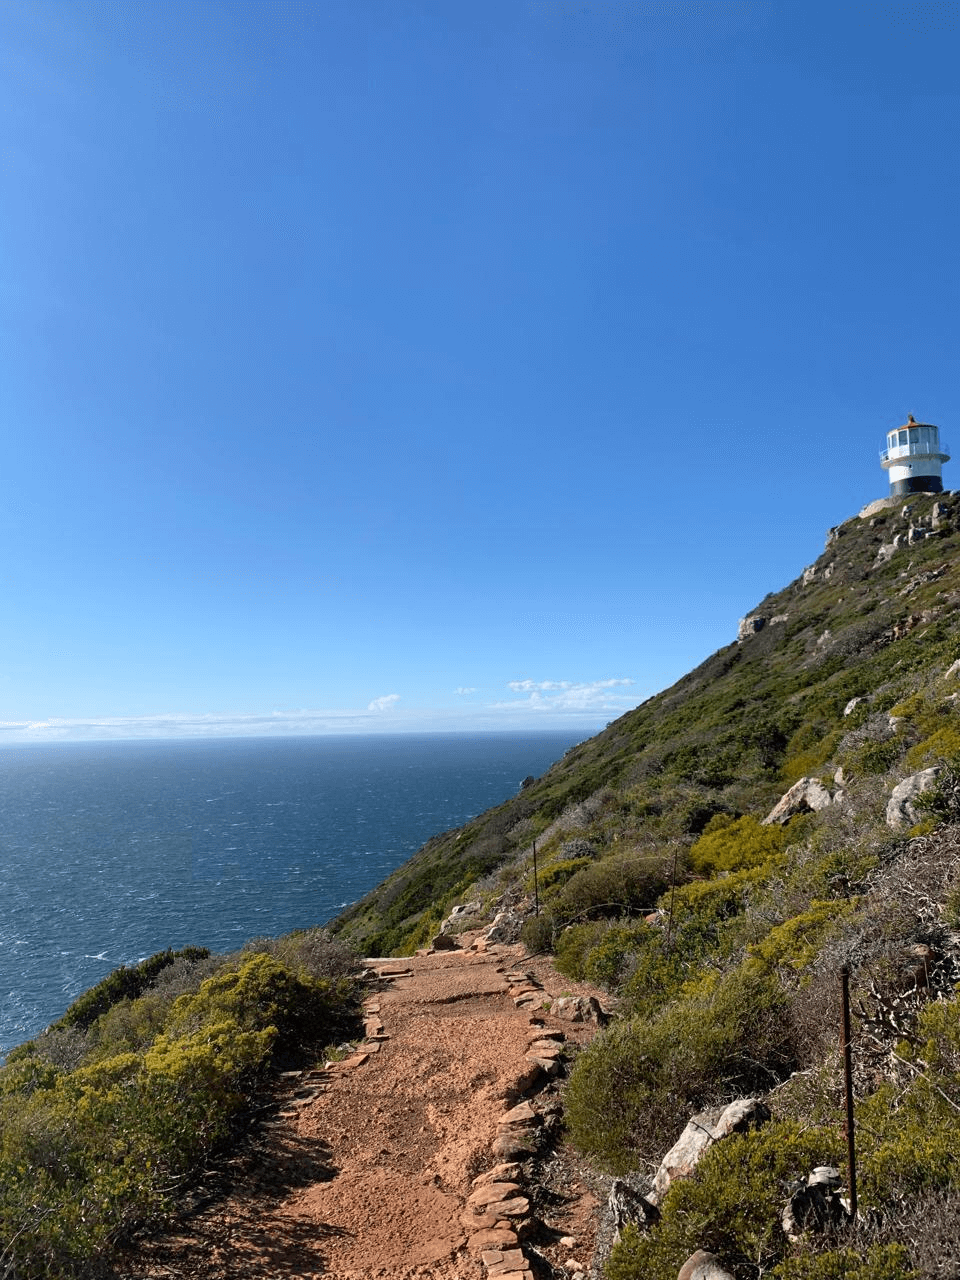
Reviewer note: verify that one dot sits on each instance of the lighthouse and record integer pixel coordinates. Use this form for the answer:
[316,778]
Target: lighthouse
[914,457]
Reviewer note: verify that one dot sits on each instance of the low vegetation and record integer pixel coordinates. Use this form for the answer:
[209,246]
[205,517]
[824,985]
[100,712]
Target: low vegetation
[113,1112]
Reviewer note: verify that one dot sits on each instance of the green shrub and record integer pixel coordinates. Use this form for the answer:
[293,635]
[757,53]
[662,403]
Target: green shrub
[125,984]
[556,874]
[909,1135]
[614,886]
[639,1080]
[731,1206]
[536,933]
[91,1153]
[573,946]
[877,1262]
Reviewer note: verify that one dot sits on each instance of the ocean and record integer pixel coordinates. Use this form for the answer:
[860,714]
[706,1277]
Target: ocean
[112,851]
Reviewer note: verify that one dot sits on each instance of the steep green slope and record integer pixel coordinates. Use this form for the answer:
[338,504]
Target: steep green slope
[727,737]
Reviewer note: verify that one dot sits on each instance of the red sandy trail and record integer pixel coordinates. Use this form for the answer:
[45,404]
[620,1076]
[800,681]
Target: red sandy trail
[369,1170]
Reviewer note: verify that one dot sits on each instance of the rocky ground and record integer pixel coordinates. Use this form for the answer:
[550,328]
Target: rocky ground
[435,1150]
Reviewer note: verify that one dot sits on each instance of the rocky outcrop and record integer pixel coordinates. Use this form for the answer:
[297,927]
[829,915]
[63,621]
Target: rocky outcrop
[750,626]
[808,795]
[814,1207]
[628,1207]
[505,927]
[702,1131]
[459,914]
[901,810]
[874,508]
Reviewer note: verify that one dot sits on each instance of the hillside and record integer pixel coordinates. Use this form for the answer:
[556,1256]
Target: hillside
[721,936]
[872,618]
[708,865]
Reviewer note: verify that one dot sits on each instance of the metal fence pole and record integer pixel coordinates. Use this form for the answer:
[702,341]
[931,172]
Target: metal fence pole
[845,1048]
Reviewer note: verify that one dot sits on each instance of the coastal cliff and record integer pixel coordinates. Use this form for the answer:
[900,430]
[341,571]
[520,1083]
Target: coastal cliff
[709,865]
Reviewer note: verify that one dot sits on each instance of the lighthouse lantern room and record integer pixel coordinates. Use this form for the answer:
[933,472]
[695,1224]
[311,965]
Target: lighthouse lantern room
[914,458]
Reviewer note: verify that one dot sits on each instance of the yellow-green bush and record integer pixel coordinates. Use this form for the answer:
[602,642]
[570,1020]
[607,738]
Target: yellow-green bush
[796,943]
[942,744]
[556,874]
[736,844]
[91,1153]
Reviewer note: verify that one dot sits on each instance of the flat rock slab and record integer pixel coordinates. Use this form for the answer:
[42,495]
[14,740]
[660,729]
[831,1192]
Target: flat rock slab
[509,1145]
[492,1193]
[500,1173]
[518,1207]
[355,1060]
[519,1116]
[493,1238]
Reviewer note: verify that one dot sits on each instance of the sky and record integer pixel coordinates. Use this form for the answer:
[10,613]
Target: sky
[390,365]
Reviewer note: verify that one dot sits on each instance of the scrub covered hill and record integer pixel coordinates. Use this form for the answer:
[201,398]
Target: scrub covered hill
[721,936]
[873,618]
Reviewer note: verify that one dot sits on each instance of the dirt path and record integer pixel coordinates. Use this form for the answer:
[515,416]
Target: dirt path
[373,1170]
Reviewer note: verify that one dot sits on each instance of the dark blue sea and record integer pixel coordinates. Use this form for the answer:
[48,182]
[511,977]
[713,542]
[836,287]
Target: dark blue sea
[112,851]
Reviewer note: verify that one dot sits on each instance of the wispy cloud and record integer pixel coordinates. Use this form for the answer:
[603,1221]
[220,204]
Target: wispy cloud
[463,690]
[570,695]
[536,704]
[385,703]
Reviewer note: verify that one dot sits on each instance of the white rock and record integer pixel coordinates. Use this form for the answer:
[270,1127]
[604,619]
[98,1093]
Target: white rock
[901,811]
[702,1132]
[808,795]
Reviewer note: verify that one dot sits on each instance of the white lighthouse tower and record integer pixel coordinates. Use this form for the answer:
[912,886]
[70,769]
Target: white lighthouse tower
[914,457]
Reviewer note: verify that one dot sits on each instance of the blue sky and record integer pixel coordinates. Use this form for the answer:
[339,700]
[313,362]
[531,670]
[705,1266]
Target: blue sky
[417,364]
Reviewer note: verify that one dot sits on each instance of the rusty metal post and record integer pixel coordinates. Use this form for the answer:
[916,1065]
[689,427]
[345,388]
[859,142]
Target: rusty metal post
[536,885]
[846,1050]
[673,890]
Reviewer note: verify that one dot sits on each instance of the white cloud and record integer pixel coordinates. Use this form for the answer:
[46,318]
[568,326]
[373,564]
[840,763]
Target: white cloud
[538,704]
[462,690]
[384,703]
[569,695]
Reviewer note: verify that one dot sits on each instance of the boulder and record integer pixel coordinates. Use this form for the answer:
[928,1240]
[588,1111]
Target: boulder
[702,1131]
[579,1009]
[938,514]
[505,927]
[852,706]
[901,811]
[809,795]
[878,505]
[443,942]
[703,1266]
[953,671]
[458,913]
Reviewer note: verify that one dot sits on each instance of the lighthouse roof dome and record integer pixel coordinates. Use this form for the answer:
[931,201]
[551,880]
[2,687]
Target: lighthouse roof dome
[912,422]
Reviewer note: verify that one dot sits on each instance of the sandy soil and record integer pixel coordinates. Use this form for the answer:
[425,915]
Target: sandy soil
[367,1172]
